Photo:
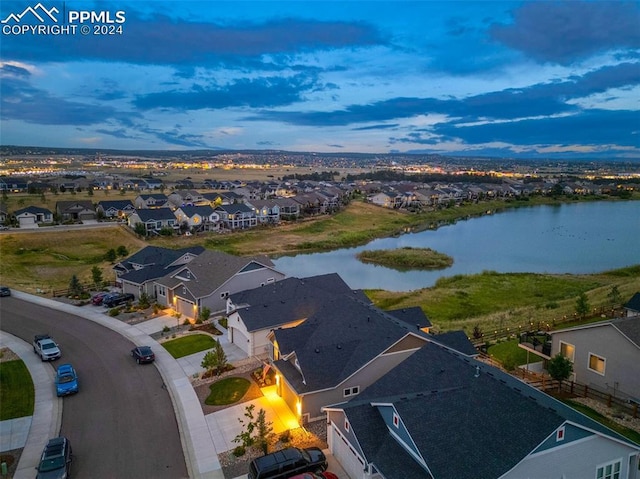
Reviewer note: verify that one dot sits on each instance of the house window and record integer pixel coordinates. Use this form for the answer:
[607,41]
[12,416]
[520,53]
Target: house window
[560,434]
[396,420]
[351,391]
[567,350]
[184,290]
[609,471]
[596,364]
[346,425]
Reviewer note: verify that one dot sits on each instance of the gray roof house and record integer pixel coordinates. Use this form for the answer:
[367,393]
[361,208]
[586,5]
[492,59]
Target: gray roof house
[237,216]
[154,219]
[80,210]
[254,313]
[442,415]
[115,208]
[198,218]
[154,200]
[337,351]
[632,307]
[210,279]
[605,355]
[137,273]
[32,216]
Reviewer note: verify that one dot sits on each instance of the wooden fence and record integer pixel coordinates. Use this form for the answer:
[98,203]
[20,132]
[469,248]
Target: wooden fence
[56,293]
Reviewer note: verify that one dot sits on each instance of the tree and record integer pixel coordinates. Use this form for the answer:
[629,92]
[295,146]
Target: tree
[216,359]
[582,305]
[110,255]
[264,430]
[140,229]
[122,251]
[477,332]
[559,368]
[614,296]
[75,288]
[90,191]
[144,301]
[96,274]
[204,313]
[246,435]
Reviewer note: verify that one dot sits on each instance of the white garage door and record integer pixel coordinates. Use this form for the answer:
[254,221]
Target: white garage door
[239,340]
[27,222]
[346,455]
[185,308]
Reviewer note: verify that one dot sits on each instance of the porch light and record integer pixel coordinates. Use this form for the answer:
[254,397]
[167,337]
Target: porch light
[299,408]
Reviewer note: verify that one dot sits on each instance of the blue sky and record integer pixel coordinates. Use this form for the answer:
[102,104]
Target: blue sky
[478,78]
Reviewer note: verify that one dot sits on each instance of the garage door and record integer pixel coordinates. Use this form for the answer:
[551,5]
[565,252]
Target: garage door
[239,340]
[346,455]
[27,222]
[185,308]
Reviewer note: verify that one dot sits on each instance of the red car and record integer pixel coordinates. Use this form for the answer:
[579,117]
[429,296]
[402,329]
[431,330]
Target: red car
[98,298]
[315,475]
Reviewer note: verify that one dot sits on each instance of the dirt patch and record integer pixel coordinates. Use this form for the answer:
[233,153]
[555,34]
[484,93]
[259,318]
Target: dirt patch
[7,355]
[10,458]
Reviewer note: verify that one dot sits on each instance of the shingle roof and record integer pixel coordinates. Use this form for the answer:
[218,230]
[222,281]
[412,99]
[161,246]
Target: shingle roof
[457,340]
[190,211]
[630,327]
[633,303]
[413,316]
[155,214]
[117,204]
[212,269]
[155,255]
[456,408]
[341,337]
[34,210]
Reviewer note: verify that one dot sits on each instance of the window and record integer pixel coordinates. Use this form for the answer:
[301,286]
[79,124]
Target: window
[609,471]
[351,391]
[596,364]
[396,420]
[560,434]
[346,425]
[567,350]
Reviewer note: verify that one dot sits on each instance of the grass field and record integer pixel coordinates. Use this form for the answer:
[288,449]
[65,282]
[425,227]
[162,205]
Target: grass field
[227,391]
[193,343]
[17,395]
[407,258]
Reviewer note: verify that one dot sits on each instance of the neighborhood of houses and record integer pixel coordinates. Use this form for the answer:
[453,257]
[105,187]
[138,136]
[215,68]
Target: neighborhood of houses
[189,208]
[400,402]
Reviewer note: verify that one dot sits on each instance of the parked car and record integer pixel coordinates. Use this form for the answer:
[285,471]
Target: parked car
[45,347]
[98,298]
[5,291]
[315,475]
[117,300]
[288,462]
[55,462]
[66,380]
[143,354]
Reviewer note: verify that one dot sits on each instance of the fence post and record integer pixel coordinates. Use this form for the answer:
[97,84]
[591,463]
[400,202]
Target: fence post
[609,400]
[572,388]
[635,410]
[586,391]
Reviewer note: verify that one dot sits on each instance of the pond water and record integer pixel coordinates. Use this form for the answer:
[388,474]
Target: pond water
[572,238]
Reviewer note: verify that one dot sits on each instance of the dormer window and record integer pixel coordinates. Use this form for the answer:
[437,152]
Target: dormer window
[396,420]
[560,434]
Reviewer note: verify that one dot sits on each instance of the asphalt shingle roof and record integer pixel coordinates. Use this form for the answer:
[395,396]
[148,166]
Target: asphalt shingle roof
[412,316]
[633,303]
[155,255]
[630,327]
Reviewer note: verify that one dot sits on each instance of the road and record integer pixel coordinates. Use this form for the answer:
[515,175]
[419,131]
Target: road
[122,422]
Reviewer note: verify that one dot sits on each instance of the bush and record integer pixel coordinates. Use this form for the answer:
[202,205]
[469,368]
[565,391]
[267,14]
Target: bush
[166,329]
[114,312]
[239,451]
[285,436]
[223,322]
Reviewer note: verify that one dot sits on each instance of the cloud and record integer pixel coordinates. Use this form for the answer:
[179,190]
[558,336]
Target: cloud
[567,31]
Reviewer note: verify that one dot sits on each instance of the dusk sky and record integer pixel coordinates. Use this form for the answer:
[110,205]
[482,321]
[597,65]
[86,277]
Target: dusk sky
[482,78]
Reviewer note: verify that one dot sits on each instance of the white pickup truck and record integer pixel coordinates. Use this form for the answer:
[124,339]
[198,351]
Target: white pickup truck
[45,347]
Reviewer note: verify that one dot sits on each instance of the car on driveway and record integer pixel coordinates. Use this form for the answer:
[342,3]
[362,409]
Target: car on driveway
[5,291]
[315,475]
[288,462]
[117,300]
[66,380]
[143,354]
[55,462]
[98,298]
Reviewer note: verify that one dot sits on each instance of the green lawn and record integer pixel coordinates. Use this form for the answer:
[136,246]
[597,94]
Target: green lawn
[509,352]
[17,395]
[227,391]
[187,345]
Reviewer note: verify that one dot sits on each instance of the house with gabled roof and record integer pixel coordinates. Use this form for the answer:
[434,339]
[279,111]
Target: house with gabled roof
[198,218]
[442,415]
[119,209]
[210,279]
[254,313]
[186,198]
[632,307]
[237,216]
[32,216]
[137,273]
[155,200]
[605,355]
[414,316]
[80,210]
[154,219]
[337,351]
[266,211]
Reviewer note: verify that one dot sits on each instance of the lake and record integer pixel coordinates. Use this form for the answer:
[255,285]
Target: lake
[573,238]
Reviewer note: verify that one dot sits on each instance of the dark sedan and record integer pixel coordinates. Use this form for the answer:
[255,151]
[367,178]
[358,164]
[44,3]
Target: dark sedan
[143,354]
[5,291]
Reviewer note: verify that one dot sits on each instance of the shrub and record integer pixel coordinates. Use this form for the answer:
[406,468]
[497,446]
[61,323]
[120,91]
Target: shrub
[239,451]
[223,322]
[166,329]
[285,436]
[114,312]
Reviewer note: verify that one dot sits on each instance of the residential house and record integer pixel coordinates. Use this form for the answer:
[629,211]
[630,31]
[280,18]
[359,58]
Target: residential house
[186,198]
[154,220]
[237,216]
[81,210]
[254,313]
[632,307]
[289,209]
[198,218]
[4,213]
[137,274]
[266,211]
[13,184]
[440,414]
[210,279]
[154,200]
[116,209]
[336,352]
[142,184]
[605,355]
[32,216]
[387,199]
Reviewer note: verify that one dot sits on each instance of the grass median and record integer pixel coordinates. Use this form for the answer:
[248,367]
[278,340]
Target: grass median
[17,394]
[191,344]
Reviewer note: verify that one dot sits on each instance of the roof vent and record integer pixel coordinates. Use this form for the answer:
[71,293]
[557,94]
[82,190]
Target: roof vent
[317,350]
[477,372]
[339,346]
